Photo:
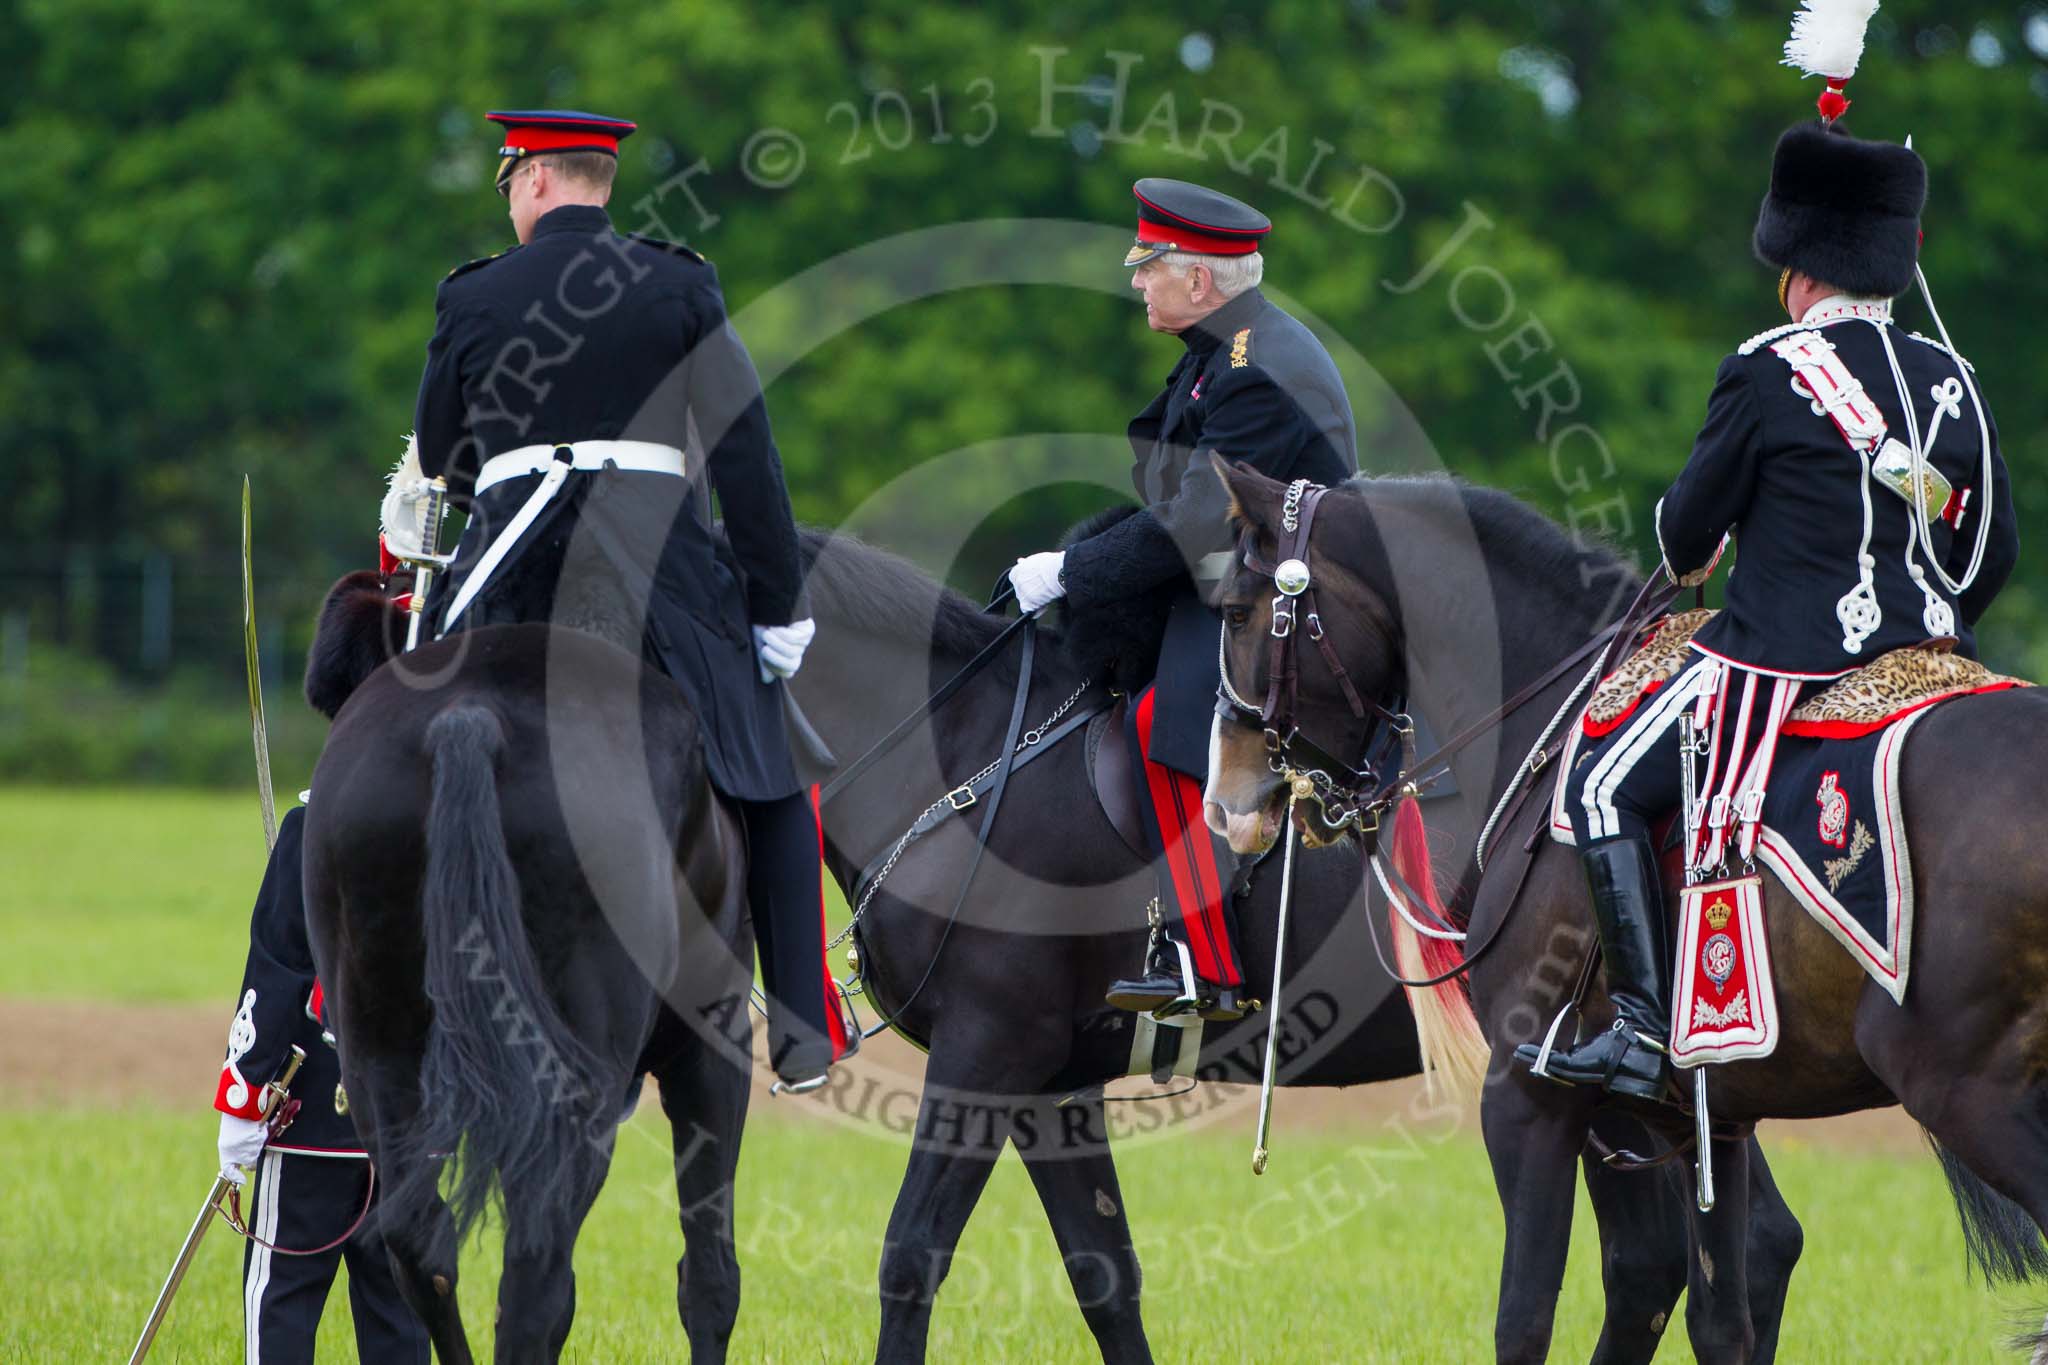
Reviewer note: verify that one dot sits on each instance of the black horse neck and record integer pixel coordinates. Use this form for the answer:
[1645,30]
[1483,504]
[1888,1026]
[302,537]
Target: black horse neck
[1490,595]
[889,636]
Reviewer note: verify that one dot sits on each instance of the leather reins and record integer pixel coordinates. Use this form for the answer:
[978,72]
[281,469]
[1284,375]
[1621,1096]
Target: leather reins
[1354,794]
[989,792]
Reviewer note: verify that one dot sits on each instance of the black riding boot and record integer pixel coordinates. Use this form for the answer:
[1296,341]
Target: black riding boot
[1165,988]
[782,894]
[1628,903]
[1160,984]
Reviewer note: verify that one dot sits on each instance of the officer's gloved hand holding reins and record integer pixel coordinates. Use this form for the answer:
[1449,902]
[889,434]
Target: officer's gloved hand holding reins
[781,648]
[1037,579]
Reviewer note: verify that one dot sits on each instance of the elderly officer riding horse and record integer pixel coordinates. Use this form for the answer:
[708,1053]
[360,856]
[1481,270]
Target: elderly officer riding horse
[1254,386]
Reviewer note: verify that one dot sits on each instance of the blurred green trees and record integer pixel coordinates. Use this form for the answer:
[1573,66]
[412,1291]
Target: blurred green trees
[225,220]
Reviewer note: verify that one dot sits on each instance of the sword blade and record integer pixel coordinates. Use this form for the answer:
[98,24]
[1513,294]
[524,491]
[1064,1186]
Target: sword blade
[178,1269]
[260,730]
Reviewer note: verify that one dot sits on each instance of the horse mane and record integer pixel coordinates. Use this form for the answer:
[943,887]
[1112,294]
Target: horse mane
[883,594]
[1520,541]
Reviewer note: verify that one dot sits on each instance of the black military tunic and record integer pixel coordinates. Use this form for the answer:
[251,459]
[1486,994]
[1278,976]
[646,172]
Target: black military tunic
[581,335]
[1256,386]
[1782,477]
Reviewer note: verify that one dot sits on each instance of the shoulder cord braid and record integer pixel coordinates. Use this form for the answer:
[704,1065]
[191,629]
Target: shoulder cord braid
[1819,376]
[1921,455]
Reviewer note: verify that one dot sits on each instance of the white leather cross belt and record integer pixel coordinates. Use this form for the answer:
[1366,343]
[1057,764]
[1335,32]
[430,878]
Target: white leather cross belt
[644,457]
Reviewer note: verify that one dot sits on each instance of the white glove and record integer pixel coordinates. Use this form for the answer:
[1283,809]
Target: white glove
[1037,579]
[241,1143]
[780,649]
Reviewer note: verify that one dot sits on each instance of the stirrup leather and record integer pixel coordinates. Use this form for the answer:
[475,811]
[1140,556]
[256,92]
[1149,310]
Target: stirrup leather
[1190,997]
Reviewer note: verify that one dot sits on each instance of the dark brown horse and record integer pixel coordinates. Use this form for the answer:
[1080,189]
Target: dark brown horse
[1012,1013]
[521,896]
[1458,597]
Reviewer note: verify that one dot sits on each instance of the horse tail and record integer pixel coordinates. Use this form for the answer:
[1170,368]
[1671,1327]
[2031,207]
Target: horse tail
[1999,1237]
[1445,1027]
[503,1085]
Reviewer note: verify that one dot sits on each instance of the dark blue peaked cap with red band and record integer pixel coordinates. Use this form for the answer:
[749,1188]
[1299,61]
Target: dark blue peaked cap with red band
[530,131]
[1174,215]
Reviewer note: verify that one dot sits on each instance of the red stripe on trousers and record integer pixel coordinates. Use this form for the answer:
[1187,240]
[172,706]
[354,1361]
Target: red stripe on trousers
[1203,853]
[1188,859]
[835,1023]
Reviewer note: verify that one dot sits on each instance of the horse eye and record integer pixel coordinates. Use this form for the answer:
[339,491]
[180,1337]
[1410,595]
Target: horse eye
[1237,616]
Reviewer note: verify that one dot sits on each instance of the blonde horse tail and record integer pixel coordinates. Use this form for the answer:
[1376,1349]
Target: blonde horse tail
[1445,1027]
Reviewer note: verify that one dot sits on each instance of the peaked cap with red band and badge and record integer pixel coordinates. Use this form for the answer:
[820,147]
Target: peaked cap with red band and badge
[1174,215]
[529,132]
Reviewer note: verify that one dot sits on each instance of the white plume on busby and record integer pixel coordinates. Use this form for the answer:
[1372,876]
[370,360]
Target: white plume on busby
[1827,36]
[1827,40]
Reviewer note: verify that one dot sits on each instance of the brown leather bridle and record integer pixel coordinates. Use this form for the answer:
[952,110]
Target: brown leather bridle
[1349,794]
[1341,790]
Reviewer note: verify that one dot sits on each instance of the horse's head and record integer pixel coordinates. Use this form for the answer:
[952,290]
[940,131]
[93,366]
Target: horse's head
[1312,668]
[360,628]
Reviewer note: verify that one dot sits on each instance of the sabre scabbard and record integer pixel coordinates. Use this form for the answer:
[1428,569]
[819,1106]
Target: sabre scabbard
[278,1114]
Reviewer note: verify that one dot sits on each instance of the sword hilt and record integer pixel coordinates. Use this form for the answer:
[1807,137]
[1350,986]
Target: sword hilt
[437,507]
[429,558]
[279,1090]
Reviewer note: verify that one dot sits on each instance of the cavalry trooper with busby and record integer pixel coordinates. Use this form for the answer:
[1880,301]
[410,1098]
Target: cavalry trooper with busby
[1254,386]
[584,395]
[1857,468]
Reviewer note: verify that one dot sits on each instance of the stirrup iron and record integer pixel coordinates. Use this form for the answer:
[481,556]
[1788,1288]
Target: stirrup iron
[1190,998]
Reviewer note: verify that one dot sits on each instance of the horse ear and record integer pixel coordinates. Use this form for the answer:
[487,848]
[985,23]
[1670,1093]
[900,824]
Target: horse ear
[1254,499]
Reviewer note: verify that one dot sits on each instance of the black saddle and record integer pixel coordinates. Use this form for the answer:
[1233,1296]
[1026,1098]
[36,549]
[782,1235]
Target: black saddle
[1113,773]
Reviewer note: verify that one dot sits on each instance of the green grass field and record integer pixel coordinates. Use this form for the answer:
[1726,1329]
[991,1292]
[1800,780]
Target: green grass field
[1353,1247]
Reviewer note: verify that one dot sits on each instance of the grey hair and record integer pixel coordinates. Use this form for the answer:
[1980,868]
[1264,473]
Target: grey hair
[1232,274]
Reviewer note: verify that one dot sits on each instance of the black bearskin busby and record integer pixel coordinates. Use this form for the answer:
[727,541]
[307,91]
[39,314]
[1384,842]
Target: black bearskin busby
[1844,211]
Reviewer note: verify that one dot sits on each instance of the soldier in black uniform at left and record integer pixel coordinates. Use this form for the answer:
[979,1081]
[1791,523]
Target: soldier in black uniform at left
[585,395]
[312,1182]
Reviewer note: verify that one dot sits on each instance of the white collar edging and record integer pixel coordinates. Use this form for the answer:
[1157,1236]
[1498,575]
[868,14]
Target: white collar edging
[1847,306]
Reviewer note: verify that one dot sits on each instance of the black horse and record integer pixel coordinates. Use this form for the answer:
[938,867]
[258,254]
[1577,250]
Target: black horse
[1008,1000]
[1460,596]
[513,859]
